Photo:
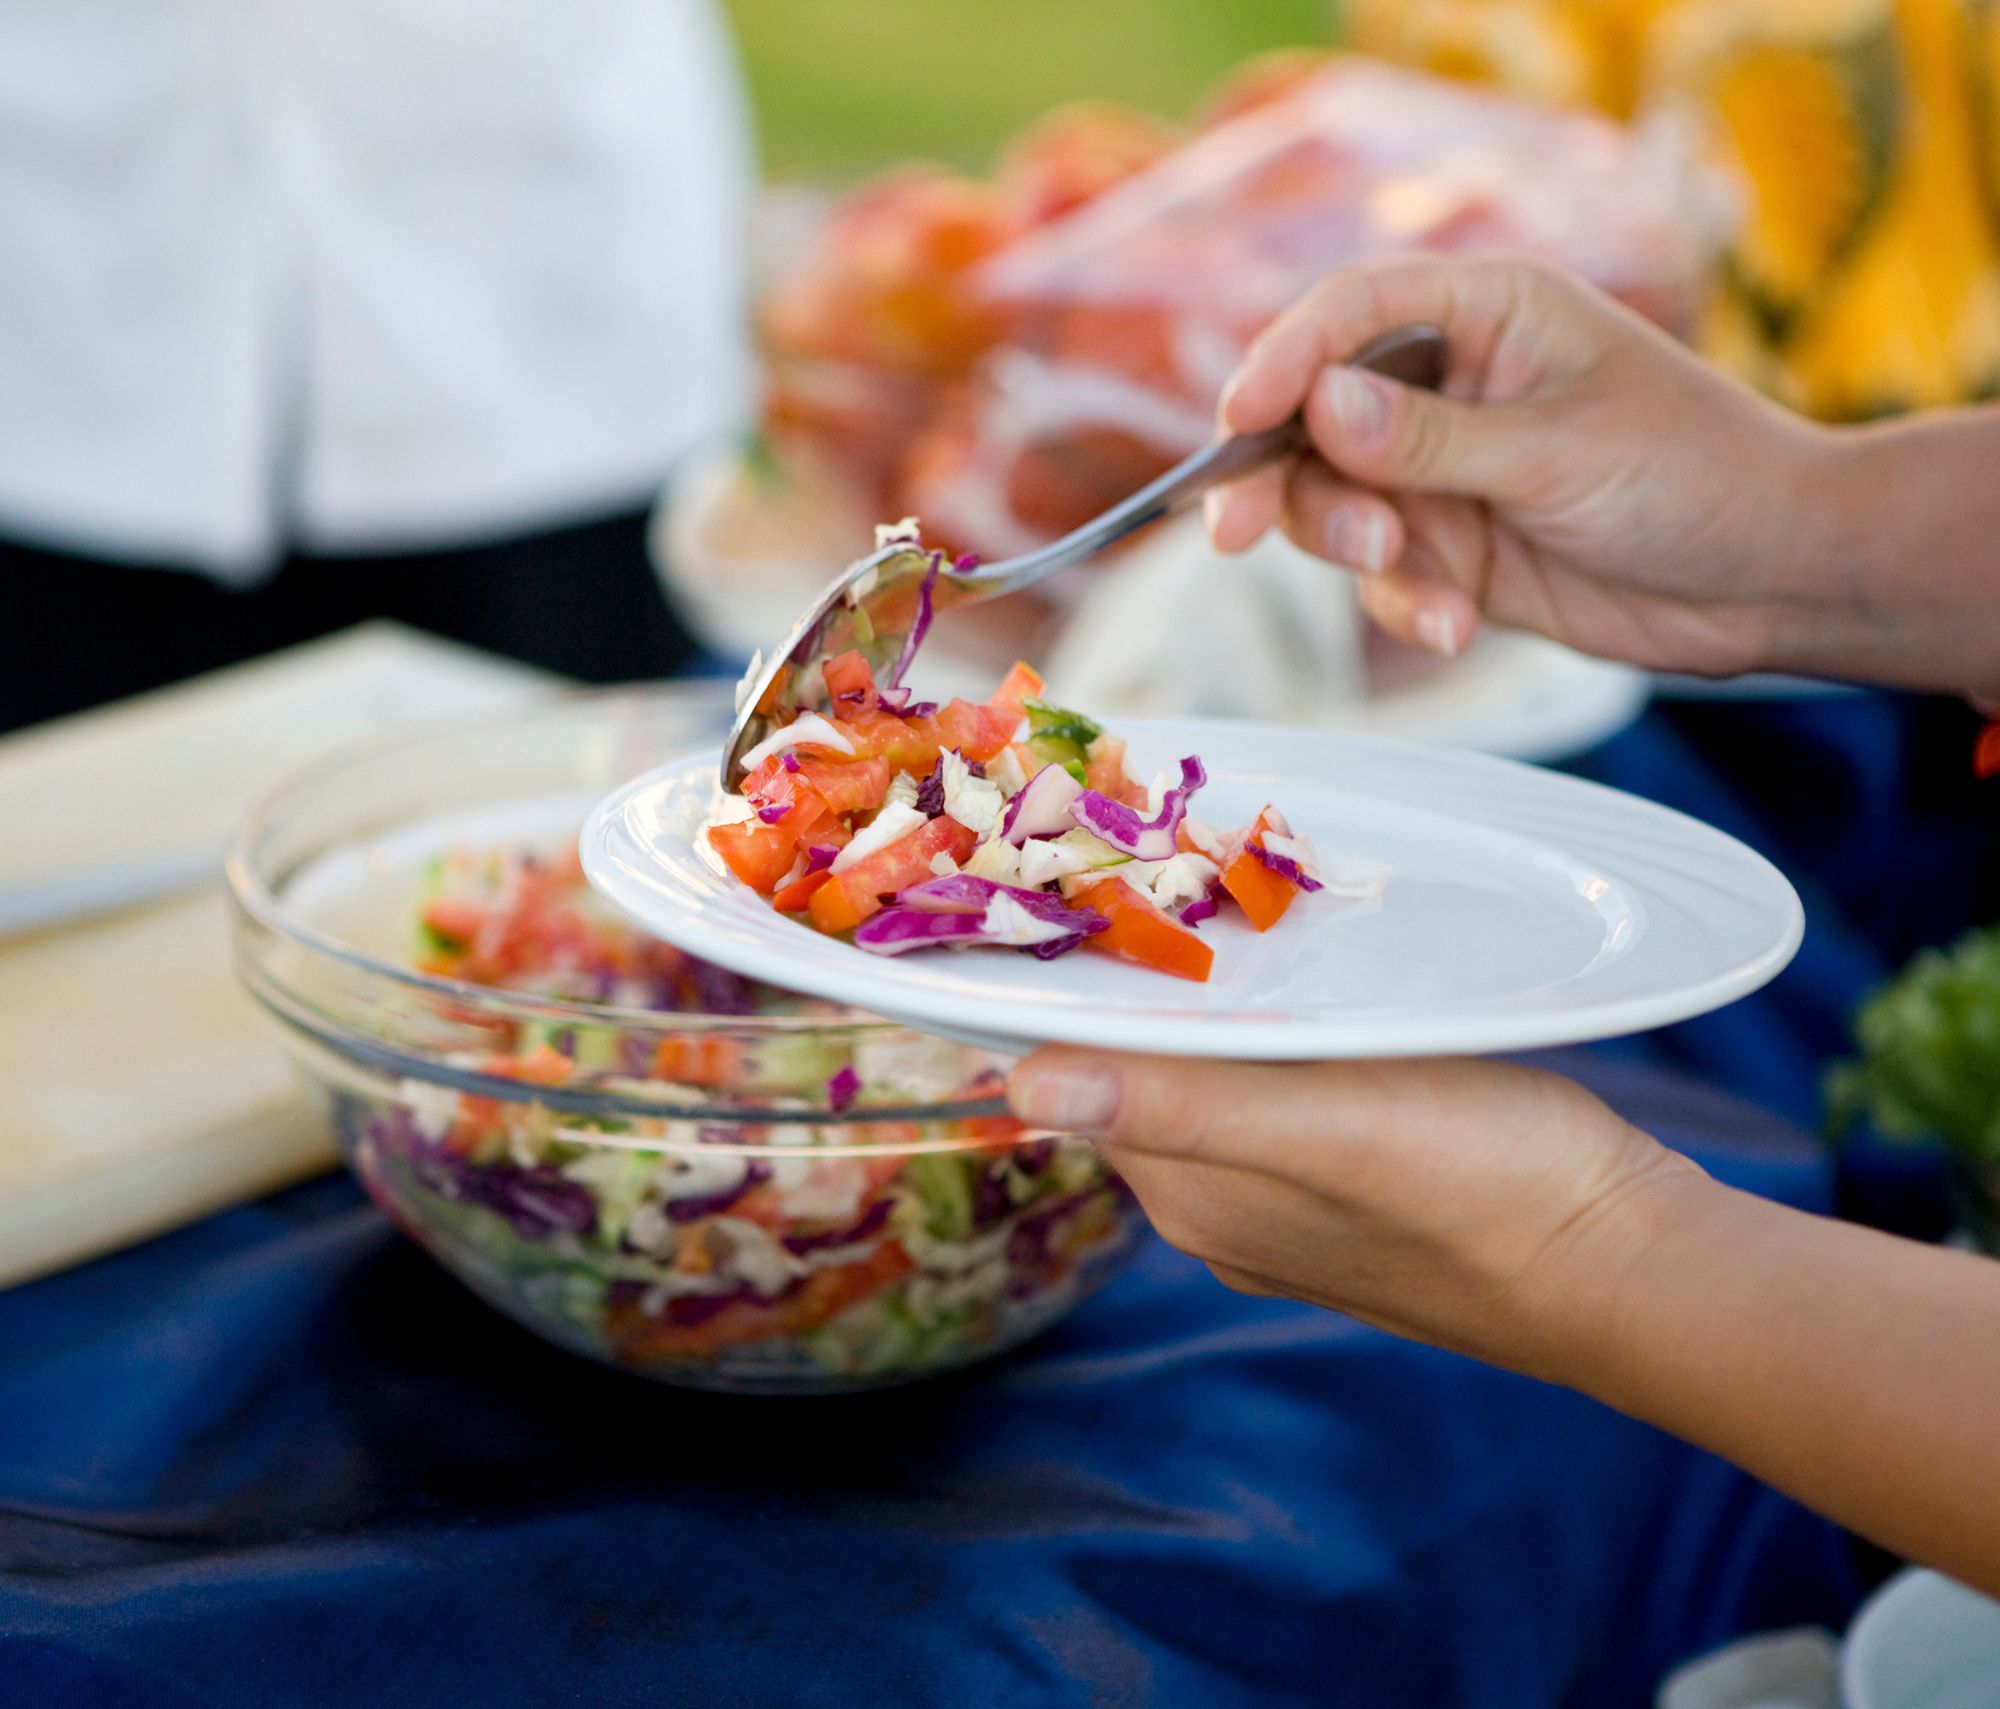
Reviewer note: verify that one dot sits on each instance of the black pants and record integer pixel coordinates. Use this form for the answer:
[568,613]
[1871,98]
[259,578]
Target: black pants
[75,632]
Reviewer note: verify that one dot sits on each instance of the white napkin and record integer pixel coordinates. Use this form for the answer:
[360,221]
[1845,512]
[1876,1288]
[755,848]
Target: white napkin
[1798,1669]
[1173,626]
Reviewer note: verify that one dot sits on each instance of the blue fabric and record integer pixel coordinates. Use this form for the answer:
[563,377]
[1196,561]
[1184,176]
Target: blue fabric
[279,1459]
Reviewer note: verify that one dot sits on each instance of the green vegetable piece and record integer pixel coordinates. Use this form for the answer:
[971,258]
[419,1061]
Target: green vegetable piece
[944,1185]
[1928,1067]
[1059,724]
[1058,736]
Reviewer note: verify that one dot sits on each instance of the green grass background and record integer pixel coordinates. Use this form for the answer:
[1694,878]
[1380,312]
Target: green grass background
[843,85]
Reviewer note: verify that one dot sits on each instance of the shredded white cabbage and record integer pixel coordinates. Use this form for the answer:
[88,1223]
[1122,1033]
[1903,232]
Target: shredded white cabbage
[894,820]
[807,727]
[998,860]
[1007,922]
[975,802]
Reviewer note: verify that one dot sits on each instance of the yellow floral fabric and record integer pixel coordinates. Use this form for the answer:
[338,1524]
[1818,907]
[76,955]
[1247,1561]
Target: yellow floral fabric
[1864,278]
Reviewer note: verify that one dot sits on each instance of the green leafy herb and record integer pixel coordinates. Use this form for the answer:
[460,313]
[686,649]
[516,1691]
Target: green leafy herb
[1928,1067]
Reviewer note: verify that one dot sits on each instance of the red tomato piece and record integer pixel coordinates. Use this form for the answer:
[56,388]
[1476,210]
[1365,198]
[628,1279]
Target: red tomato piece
[1140,933]
[1262,894]
[851,896]
[757,853]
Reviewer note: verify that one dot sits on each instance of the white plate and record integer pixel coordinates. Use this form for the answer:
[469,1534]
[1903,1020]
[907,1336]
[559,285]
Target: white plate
[1487,906]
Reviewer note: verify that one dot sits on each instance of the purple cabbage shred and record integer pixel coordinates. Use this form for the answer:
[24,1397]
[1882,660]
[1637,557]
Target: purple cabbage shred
[842,1089]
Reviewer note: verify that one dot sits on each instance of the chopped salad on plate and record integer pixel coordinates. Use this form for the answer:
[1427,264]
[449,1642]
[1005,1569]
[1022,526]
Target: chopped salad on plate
[905,825]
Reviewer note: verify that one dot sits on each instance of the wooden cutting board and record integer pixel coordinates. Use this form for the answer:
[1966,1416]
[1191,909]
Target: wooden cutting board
[139,1087]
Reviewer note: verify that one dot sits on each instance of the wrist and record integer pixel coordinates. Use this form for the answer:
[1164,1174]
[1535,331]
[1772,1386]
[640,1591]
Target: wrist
[1885,571]
[1590,1298]
[1819,586]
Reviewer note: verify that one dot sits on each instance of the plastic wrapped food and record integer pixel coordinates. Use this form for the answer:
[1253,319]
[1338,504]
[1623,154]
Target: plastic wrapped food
[1121,322]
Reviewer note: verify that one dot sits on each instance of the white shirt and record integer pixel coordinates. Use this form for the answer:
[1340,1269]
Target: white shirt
[359,273]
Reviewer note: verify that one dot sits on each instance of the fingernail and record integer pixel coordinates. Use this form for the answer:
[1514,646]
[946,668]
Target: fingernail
[1228,397]
[1212,503]
[1081,1100]
[1358,402]
[1437,631]
[1359,539]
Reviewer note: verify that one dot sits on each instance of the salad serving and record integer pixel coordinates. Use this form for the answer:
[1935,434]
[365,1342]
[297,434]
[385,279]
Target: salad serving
[907,825]
[825,1231]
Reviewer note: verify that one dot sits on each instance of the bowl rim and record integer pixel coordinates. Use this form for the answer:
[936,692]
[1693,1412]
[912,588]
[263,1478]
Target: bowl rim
[256,900]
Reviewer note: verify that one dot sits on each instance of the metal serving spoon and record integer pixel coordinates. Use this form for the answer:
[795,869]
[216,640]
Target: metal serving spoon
[873,605]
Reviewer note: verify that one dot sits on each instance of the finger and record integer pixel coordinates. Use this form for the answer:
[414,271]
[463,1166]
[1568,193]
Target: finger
[1240,513]
[1233,1114]
[1421,609]
[1340,522]
[1472,302]
[1395,437]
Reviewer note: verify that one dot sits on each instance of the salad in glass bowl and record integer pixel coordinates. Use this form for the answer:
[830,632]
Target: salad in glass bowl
[642,1158]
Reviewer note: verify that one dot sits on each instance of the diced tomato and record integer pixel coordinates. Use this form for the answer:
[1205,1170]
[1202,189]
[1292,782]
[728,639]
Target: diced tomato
[1140,933]
[912,745]
[1104,771]
[1020,685]
[696,1060]
[1262,894]
[455,919]
[792,898]
[858,787]
[757,853]
[818,1300]
[849,681]
[850,897]
[977,732]
[811,817]
[542,1066]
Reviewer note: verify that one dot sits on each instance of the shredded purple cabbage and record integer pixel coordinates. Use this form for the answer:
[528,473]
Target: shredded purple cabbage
[1042,808]
[1284,866]
[1061,946]
[897,929]
[991,1202]
[962,893]
[720,992]
[920,628]
[842,1089]
[965,563]
[537,1202]
[871,1219]
[930,793]
[711,1204]
[898,701]
[1201,908]
[1123,828]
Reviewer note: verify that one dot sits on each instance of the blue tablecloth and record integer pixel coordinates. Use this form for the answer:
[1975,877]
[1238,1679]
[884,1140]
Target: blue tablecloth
[280,1459]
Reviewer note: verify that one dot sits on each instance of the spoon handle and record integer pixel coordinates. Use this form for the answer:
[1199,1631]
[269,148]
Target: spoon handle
[1414,355]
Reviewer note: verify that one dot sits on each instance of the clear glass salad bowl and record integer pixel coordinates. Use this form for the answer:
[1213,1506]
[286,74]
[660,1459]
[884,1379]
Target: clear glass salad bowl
[640,1158]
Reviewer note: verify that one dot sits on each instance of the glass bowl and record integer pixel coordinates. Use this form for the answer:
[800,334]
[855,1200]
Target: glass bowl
[751,1190]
